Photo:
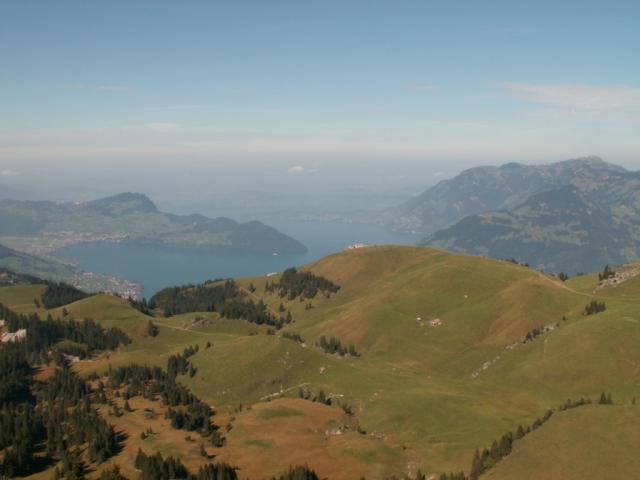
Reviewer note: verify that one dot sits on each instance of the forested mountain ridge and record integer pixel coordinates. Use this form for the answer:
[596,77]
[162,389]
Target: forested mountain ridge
[482,189]
[132,218]
[557,230]
[574,228]
[571,216]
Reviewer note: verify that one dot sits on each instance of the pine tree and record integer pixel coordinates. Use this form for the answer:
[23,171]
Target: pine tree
[112,474]
[476,466]
[152,329]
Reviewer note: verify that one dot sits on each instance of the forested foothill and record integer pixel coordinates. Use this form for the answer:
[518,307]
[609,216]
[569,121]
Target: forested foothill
[58,294]
[47,421]
[56,422]
[294,284]
[224,297]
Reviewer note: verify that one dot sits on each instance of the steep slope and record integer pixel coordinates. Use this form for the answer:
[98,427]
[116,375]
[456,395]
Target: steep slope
[588,442]
[571,216]
[129,217]
[557,230]
[482,189]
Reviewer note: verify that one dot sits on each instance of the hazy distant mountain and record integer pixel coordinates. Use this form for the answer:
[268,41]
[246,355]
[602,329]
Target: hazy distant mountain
[131,218]
[7,191]
[483,189]
[16,264]
[571,216]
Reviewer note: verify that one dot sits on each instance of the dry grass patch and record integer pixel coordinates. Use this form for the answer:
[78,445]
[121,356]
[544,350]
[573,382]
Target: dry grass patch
[269,437]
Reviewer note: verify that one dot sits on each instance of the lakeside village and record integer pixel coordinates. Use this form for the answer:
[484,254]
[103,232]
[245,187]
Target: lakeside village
[95,282]
[86,281]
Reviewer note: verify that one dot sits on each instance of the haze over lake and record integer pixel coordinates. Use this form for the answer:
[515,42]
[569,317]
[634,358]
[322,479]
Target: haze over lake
[158,267]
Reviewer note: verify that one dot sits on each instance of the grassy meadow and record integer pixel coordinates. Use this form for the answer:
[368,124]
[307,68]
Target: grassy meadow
[423,396]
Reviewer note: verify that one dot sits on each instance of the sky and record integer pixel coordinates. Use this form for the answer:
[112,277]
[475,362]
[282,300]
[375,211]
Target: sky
[291,89]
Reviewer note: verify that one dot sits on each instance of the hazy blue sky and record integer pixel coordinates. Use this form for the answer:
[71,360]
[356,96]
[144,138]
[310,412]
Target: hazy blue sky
[299,85]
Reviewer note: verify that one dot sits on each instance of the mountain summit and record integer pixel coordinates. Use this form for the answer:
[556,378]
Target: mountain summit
[121,204]
[572,216]
[482,189]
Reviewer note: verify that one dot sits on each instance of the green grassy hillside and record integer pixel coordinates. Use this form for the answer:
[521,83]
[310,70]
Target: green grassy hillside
[588,442]
[427,396]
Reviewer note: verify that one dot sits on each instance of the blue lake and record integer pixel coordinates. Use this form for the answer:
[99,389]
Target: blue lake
[159,267]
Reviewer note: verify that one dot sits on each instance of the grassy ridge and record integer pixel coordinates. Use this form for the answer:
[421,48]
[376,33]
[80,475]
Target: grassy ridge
[419,391]
[588,442]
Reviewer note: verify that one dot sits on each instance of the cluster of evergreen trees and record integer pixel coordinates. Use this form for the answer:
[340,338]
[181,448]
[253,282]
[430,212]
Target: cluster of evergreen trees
[44,333]
[58,294]
[298,473]
[533,334]
[57,420]
[185,410]
[194,298]
[156,467]
[142,306]
[178,364]
[70,419]
[226,298]
[321,397]
[536,332]
[594,307]
[606,273]
[72,467]
[47,420]
[333,345]
[293,284]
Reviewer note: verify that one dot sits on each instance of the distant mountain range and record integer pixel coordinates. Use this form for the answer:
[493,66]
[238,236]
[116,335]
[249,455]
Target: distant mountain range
[129,218]
[571,216]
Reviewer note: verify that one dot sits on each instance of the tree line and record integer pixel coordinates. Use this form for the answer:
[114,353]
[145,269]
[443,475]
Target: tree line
[294,283]
[58,294]
[485,459]
[49,420]
[333,345]
[157,467]
[44,333]
[226,298]
[185,411]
